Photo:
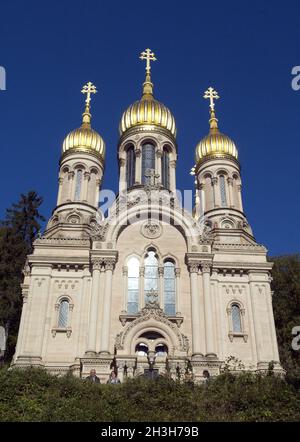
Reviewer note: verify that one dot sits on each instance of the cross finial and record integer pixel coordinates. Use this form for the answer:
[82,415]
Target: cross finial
[212,94]
[88,89]
[152,176]
[148,56]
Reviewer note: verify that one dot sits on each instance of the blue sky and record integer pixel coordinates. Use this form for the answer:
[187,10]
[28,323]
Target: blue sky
[245,49]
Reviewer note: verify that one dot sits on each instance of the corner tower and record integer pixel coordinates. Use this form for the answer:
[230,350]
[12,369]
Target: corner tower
[218,181]
[81,170]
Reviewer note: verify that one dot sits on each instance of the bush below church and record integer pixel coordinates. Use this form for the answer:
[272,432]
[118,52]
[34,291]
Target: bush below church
[34,395]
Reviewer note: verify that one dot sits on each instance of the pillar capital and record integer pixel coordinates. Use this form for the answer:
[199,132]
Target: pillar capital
[193,266]
[109,263]
[205,266]
[96,264]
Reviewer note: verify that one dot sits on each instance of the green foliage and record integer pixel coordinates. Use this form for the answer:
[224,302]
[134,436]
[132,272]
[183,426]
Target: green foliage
[34,395]
[17,233]
[286,306]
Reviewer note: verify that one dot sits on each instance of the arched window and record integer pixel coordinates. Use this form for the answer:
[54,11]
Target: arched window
[133,266]
[148,161]
[161,350]
[223,191]
[169,288]
[165,168]
[130,166]
[63,313]
[151,276]
[236,318]
[78,182]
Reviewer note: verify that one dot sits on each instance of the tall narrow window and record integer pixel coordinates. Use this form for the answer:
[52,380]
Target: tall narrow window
[130,166]
[236,318]
[223,190]
[63,314]
[133,266]
[151,276]
[148,161]
[165,168]
[78,184]
[169,288]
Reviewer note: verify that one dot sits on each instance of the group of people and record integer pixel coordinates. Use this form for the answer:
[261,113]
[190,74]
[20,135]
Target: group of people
[113,378]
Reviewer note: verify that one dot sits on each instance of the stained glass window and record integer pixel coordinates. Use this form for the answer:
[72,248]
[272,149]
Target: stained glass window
[165,166]
[133,266]
[63,314]
[151,275]
[223,191]
[148,160]
[236,318]
[78,184]
[169,288]
[130,166]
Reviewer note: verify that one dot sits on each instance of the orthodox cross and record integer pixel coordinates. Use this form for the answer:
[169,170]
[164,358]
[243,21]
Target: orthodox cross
[88,89]
[212,94]
[148,56]
[150,173]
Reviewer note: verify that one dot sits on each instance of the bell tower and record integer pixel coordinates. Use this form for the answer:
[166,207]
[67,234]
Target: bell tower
[218,200]
[80,175]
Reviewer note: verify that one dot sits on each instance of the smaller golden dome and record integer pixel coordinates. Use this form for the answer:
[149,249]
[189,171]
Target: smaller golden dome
[85,138]
[215,144]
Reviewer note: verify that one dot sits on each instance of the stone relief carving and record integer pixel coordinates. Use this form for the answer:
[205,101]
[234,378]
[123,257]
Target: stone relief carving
[151,229]
[152,311]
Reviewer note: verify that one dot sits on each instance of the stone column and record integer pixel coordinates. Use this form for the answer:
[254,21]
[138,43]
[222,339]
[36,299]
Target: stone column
[159,154]
[173,176]
[71,185]
[97,192]
[202,198]
[271,321]
[216,193]
[253,299]
[109,264]
[239,189]
[161,298]
[93,317]
[230,191]
[138,166]
[60,188]
[122,178]
[125,281]
[195,307]
[177,288]
[21,332]
[209,330]
[86,179]
[142,297]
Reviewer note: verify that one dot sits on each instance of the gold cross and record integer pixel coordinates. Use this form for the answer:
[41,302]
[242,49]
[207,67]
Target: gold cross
[88,89]
[149,56]
[212,94]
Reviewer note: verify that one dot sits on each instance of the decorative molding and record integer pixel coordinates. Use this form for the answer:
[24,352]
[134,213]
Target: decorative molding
[151,229]
[156,313]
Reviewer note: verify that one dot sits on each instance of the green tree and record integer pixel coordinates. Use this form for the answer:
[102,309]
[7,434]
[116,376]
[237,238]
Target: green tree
[17,233]
[286,305]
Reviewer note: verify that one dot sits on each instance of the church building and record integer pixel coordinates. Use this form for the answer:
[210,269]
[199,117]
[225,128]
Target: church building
[147,288]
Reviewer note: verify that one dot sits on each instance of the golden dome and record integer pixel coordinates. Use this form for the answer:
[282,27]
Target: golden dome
[215,144]
[148,112]
[85,138]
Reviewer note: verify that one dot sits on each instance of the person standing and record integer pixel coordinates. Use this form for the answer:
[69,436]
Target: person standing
[93,377]
[113,378]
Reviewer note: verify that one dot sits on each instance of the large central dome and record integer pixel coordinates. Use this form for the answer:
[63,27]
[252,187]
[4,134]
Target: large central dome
[148,112]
